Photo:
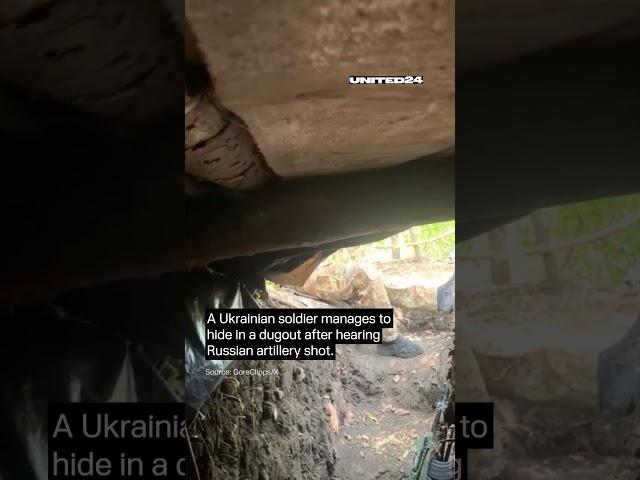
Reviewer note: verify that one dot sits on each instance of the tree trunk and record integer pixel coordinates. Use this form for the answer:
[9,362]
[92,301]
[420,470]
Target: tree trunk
[396,252]
[417,253]
[541,233]
[500,267]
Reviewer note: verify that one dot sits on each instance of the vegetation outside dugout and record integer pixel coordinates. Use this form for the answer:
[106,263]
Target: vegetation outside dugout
[432,242]
[595,242]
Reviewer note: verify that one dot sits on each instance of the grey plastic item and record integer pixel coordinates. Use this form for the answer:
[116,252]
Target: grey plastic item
[206,289]
[446,296]
[632,279]
[618,380]
[441,470]
[52,356]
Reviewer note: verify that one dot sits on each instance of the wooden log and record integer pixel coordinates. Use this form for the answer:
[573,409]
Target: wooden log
[500,267]
[505,172]
[313,211]
[76,233]
[417,253]
[543,239]
[82,54]
[287,76]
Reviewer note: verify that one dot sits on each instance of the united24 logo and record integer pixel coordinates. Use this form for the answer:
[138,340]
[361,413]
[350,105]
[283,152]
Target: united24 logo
[407,79]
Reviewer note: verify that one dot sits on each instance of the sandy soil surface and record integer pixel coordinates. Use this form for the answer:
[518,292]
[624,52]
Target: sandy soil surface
[407,273]
[388,409]
[559,444]
[538,350]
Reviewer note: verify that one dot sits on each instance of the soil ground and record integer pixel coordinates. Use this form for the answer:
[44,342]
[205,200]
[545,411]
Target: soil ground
[388,408]
[557,444]
[550,441]
[357,418]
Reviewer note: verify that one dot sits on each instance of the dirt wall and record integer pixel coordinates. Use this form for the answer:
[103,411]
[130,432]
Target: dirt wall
[268,427]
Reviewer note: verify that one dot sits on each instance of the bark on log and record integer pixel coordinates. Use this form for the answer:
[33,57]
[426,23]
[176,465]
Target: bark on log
[220,149]
[116,59]
[543,238]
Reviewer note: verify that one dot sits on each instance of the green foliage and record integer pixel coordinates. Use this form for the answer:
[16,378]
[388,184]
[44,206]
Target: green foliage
[435,242]
[605,260]
[593,242]
[441,248]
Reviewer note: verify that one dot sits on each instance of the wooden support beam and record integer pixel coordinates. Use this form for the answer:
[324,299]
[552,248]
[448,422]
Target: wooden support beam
[74,232]
[313,211]
[527,139]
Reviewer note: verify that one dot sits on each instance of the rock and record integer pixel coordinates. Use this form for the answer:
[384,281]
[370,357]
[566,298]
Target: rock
[298,374]
[332,415]
[269,411]
[279,394]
